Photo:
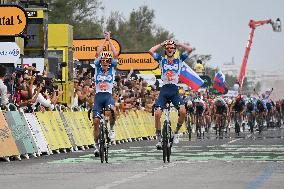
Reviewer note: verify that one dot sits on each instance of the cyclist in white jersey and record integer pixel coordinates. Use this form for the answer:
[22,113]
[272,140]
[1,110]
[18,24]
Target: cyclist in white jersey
[105,65]
[170,68]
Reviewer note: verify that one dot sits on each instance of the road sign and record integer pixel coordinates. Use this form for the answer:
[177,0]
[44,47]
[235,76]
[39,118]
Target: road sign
[13,20]
[136,61]
[9,52]
[85,49]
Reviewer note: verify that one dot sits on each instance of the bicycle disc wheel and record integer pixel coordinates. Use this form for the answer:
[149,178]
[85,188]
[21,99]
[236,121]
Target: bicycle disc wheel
[165,142]
[106,153]
[102,145]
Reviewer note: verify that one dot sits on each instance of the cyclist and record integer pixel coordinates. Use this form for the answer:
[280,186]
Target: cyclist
[200,108]
[105,65]
[170,68]
[278,113]
[190,111]
[260,113]
[238,107]
[270,112]
[250,107]
[220,109]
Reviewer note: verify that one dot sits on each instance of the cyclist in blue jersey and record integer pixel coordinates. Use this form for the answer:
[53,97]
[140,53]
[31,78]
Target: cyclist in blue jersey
[105,64]
[170,70]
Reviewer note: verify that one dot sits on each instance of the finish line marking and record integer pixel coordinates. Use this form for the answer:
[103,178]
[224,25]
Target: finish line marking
[137,176]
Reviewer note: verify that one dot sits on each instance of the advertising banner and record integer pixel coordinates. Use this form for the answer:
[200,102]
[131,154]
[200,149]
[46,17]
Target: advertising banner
[9,52]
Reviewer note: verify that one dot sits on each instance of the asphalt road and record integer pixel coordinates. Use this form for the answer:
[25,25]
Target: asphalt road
[248,162]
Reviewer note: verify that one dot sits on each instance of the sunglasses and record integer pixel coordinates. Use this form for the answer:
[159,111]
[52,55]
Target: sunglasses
[105,60]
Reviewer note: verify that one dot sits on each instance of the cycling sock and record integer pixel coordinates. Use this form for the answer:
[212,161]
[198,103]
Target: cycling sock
[158,133]
[97,146]
[178,128]
[111,123]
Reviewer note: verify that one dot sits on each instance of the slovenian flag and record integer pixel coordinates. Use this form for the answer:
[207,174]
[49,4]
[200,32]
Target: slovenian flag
[219,82]
[190,78]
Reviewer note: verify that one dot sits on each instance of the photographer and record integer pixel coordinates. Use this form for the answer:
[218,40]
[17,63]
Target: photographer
[47,94]
[3,87]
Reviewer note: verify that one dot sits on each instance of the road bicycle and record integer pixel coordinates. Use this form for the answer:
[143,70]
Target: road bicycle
[167,139]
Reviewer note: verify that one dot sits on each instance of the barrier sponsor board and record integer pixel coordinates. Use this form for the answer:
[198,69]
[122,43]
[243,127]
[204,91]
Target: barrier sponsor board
[85,49]
[48,131]
[20,132]
[8,146]
[136,61]
[13,20]
[35,128]
[9,52]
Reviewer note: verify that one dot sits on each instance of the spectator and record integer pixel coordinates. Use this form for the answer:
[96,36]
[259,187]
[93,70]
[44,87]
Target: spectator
[3,87]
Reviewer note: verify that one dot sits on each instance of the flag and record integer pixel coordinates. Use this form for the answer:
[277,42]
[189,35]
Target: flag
[190,78]
[219,82]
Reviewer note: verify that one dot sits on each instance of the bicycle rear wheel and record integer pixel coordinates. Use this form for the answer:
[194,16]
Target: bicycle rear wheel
[189,129]
[102,145]
[106,146]
[165,142]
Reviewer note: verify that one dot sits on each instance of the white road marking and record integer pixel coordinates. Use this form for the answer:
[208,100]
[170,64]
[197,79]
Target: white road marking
[137,176]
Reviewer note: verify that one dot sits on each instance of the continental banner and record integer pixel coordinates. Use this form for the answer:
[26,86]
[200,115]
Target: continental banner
[21,133]
[8,146]
[136,61]
[85,49]
[13,20]
[37,132]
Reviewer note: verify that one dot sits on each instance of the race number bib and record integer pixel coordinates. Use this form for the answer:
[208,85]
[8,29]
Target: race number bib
[103,86]
[170,75]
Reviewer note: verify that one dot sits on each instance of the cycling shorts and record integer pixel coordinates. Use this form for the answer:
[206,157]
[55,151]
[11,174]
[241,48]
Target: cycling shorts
[102,100]
[169,93]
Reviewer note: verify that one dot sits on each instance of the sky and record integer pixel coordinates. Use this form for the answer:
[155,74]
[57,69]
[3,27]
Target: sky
[218,27]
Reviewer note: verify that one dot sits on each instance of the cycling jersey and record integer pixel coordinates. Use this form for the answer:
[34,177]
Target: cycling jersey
[170,77]
[221,109]
[269,106]
[238,106]
[104,82]
[250,106]
[104,85]
[199,108]
[260,105]
[170,71]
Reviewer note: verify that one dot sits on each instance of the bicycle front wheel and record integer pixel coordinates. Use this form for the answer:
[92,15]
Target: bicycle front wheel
[102,145]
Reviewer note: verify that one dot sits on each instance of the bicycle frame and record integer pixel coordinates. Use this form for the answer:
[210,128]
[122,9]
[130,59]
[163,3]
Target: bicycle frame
[103,138]
[167,138]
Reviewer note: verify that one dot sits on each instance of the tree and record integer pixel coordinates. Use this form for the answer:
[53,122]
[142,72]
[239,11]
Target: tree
[138,33]
[258,87]
[81,14]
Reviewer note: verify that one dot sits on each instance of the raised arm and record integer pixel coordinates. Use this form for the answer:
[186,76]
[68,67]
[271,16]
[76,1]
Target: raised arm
[100,48]
[186,47]
[107,37]
[155,48]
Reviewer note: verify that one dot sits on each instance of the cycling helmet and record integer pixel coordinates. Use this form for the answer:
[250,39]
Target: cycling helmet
[197,100]
[170,44]
[189,103]
[105,55]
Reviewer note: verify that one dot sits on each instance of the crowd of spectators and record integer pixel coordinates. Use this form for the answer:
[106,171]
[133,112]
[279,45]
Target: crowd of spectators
[28,89]
[130,92]
[31,90]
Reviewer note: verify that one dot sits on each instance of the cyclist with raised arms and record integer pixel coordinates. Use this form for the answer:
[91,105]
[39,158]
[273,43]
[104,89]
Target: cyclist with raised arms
[105,65]
[170,68]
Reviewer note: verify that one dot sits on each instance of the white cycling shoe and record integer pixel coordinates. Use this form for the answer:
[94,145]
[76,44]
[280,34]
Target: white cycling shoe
[176,138]
[97,153]
[112,134]
[159,145]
